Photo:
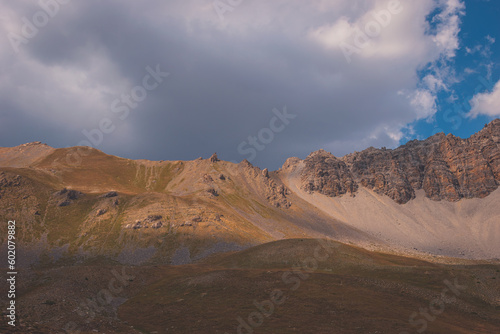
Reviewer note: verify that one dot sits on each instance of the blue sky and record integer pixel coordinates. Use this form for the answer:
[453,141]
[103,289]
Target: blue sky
[477,69]
[258,80]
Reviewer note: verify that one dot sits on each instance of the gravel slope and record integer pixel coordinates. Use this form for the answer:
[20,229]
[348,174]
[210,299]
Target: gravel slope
[469,228]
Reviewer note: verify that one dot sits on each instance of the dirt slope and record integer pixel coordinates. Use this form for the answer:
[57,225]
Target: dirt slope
[467,228]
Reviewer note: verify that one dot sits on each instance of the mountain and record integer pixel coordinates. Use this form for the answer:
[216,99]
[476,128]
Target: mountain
[434,197]
[112,245]
[445,167]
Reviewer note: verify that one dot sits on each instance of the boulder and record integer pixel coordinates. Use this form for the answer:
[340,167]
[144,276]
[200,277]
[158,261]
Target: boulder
[214,158]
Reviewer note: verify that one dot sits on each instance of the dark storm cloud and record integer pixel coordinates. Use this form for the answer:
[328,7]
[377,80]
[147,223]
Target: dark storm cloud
[225,78]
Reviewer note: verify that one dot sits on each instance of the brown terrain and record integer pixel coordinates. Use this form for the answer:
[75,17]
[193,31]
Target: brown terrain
[205,238]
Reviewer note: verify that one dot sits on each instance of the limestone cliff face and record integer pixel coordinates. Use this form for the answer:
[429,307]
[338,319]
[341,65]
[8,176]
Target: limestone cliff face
[327,174]
[445,167]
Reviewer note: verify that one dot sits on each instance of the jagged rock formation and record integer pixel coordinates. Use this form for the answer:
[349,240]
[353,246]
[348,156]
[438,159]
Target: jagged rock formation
[214,158]
[445,167]
[325,173]
[273,190]
[276,195]
[265,172]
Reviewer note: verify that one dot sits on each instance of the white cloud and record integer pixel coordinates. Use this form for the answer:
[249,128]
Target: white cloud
[379,31]
[434,83]
[448,27]
[483,49]
[446,43]
[404,44]
[490,39]
[469,70]
[486,103]
[424,103]
[332,35]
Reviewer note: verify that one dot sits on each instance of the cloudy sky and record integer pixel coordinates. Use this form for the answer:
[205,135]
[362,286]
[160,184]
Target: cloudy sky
[261,80]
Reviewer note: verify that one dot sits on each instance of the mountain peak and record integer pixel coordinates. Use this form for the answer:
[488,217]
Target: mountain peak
[321,153]
[214,158]
[34,143]
[446,167]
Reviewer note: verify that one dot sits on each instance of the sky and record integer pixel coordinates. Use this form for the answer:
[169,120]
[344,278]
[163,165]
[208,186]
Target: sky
[256,80]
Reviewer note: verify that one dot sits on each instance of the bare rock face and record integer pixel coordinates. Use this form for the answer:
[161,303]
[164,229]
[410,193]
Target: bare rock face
[445,167]
[377,170]
[265,172]
[66,196]
[214,158]
[276,195]
[327,175]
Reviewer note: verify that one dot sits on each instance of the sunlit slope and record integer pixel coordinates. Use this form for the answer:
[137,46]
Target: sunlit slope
[71,206]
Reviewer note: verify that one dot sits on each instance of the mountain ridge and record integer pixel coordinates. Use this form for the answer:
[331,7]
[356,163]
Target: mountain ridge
[78,203]
[445,166]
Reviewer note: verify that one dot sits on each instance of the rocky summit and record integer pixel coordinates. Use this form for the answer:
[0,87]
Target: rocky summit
[444,166]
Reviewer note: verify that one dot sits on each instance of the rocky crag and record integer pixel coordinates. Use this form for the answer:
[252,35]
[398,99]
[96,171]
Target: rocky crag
[444,166]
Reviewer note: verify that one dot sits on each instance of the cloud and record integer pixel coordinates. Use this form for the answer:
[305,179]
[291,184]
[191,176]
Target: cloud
[424,102]
[226,75]
[490,39]
[483,49]
[448,26]
[434,83]
[486,103]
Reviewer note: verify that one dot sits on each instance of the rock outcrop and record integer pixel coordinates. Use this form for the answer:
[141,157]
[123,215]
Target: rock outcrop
[272,189]
[444,166]
[214,158]
[153,221]
[110,194]
[66,196]
[326,174]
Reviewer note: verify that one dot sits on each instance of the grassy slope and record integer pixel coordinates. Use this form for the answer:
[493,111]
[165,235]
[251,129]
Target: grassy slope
[144,188]
[353,291]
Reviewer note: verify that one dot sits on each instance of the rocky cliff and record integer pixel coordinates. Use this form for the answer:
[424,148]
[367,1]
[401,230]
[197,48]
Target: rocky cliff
[444,166]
